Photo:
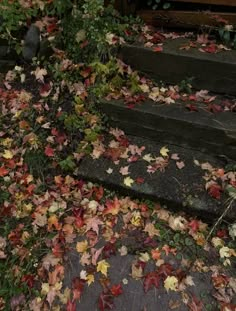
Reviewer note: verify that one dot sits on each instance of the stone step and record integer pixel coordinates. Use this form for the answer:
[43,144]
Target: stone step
[180,189]
[202,130]
[214,72]
[6,65]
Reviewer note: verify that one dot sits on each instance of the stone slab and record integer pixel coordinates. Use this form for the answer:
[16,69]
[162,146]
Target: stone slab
[181,190]
[214,72]
[204,131]
[133,297]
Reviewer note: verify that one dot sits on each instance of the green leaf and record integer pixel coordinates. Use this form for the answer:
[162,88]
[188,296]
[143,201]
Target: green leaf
[226,36]
[188,242]
[178,256]
[221,33]
[166,6]
[231,191]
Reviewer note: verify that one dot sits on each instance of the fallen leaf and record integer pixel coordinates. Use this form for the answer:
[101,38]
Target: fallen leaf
[124,170]
[116,290]
[48,151]
[7,154]
[105,301]
[158,49]
[81,247]
[151,279]
[102,266]
[171,283]
[180,165]
[164,151]
[128,181]
[151,230]
[109,171]
[3,171]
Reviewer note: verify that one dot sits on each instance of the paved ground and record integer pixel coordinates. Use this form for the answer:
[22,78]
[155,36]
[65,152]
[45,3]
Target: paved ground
[133,297]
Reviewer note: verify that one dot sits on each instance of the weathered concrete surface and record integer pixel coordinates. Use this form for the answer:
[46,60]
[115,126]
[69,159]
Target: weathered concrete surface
[133,297]
[215,133]
[179,189]
[214,72]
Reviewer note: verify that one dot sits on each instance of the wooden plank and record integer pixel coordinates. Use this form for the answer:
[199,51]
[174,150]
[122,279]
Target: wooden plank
[183,19]
[212,2]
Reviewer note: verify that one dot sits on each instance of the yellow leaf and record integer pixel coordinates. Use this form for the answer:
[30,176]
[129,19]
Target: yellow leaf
[226,252]
[7,154]
[90,279]
[217,242]
[45,288]
[128,181]
[102,266]
[81,247]
[7,142]
[164,151]
[136,272]
[171,283]
[144,257]
[136,219]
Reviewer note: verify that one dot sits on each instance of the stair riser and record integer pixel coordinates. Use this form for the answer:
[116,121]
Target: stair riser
[160,128]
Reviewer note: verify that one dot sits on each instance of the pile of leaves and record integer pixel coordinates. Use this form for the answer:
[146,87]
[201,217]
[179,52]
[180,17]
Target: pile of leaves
[48,122]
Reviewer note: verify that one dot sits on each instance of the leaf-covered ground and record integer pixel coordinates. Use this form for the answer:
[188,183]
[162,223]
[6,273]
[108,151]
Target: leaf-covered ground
[62,240]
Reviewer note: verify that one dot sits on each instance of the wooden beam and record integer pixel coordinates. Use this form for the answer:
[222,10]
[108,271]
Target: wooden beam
[211,2]
[183,19]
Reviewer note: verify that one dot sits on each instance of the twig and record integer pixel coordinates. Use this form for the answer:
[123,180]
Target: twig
[220,219]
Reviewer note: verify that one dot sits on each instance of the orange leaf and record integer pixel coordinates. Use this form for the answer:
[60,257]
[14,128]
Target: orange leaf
[3,171]
[53,221]
[158,49]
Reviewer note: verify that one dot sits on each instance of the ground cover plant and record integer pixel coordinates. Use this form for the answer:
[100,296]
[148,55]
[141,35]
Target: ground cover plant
[49,121]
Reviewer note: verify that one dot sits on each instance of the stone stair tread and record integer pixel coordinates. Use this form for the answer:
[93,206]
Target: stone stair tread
[179,189]
[174,124]
[173,46]
[214,72]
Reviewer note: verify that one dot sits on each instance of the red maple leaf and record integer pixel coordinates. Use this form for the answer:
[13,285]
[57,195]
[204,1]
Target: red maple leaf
[116,290]
[51,27]
[106,301]
[194,225]
[165,270]
[114,153]
[139,180]
[191,107]
[99,192]
[45,89]
[222,233]
[215,108]
[109,250]
[113,207]
[212,48]
[49,151]
[215,191]
[71,306]
[195,304]
[151,279]
[157,37]
[28,279]
[3,171]
[77,287]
